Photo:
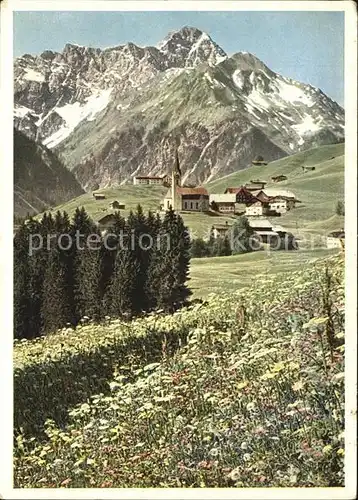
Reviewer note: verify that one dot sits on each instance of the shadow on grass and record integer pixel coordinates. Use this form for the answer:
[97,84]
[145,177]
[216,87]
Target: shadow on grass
[48,390]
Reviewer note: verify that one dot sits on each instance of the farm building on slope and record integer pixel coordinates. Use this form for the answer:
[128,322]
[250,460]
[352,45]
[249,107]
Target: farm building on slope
[151,180]
[336,239]
[116,205]
[220,230]
[99,196]
[106,222]
[279,178]
[256,184]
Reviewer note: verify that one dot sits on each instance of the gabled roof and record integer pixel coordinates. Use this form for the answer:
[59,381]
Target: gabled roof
[271,192]
[266,233]
[260,194]
[223,198]
[220,226]
[106,218]
[184,191]
[190,190]
[337,234]
[237,190]
[279,229]
[259,222]
[150,177]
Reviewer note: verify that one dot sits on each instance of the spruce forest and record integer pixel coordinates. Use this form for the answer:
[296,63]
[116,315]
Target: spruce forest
[142,266]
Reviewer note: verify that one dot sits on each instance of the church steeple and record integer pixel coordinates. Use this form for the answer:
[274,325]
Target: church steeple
[177,171]
[176,182]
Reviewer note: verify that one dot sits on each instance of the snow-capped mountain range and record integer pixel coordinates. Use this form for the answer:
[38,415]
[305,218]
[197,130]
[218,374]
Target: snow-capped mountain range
[114,112]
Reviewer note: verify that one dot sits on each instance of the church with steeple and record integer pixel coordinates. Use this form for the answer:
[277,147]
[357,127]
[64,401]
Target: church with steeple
[184,198]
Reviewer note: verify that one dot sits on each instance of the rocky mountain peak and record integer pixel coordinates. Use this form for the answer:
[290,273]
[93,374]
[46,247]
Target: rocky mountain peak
[190,46]
[126,101]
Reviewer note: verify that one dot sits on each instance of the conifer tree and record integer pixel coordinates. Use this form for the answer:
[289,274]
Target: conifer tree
[170,267]
[241,236]
[153,228]
[22,307]
[86,266]
[120,295]
[111,243]
[55,309]
[138,230]
[37,266]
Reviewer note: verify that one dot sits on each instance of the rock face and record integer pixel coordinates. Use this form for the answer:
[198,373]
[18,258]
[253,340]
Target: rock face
[40,179]
[117,112]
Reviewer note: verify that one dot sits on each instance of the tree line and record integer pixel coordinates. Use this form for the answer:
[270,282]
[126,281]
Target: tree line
[142,264]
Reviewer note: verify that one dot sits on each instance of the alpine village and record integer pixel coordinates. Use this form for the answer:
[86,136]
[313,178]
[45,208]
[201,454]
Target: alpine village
[178,271]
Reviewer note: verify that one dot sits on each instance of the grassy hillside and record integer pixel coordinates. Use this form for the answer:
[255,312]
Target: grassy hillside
[244,391]
[150,197]
[40,179]
[319,190]
[218,274]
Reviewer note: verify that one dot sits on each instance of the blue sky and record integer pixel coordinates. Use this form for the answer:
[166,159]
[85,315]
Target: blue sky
[306,46]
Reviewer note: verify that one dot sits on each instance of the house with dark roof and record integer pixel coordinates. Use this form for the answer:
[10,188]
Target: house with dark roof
[243,195]
[106,222]
[116,205]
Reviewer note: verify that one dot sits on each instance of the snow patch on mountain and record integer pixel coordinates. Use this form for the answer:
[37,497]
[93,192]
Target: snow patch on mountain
[33,76]
[290,93]
[238,79]
[74,113]
[196,45]
[21,111]
[308,125]
[256,98]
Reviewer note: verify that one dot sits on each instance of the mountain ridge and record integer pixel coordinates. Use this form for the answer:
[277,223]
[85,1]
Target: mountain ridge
[112,113]
[40,180]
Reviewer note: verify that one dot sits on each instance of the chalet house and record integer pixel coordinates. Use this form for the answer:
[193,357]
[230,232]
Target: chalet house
[243,195]
[259,162]
[255,185]
[106,222]
[261,196]
[279,204]
[266,231]
[263,229]
[151,180]
[226,202]
[115,205]
[187,199]
[336,239]
[220,230]
[281,200]
[279,178]
[257,208]
[99,196]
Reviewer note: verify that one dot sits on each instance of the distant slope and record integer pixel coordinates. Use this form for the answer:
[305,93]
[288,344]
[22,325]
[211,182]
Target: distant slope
[40,179]
[149,197]
[318,190]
